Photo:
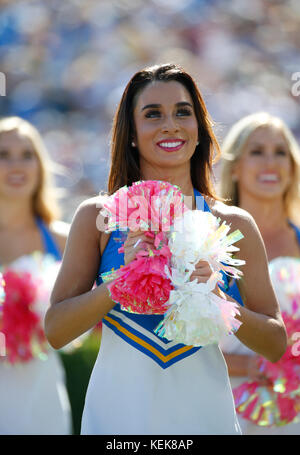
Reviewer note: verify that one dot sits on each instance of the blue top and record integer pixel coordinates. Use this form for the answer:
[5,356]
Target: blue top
[111,259]
[138,330]
[297,231]
[49,244]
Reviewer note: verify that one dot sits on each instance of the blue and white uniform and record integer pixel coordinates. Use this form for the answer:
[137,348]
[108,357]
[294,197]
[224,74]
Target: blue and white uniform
[33,395]
[142,384]
[232,345]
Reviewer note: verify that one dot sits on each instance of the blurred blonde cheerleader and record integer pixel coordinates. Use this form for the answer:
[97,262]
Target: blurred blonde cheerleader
[33,395]
[261,174]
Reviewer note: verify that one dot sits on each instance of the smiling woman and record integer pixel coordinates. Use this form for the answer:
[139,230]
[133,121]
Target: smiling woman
[22,163]
[158,105]
[261,174]
[141,383]
[25,167]
[261,158]
[166,134]
[33,395]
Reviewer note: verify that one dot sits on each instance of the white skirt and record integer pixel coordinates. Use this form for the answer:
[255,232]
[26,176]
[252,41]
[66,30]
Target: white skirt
[33,398]
[129,393]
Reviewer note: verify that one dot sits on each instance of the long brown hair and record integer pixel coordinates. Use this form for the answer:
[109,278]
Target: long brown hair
[125,167]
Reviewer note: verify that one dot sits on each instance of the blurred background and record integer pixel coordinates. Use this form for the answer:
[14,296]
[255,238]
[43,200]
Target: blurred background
[66,64]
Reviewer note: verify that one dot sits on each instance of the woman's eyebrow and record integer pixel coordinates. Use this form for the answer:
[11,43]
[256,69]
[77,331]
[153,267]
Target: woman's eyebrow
[262,144]
[180,104]
[150,106]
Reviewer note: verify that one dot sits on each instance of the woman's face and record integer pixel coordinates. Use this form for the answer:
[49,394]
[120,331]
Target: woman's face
[166,126]
[265,168]
[19,165]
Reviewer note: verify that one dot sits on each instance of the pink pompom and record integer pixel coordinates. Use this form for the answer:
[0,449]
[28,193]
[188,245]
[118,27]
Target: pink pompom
[21,324]
[152,206]
[143,286]
[279,402]
[149,205]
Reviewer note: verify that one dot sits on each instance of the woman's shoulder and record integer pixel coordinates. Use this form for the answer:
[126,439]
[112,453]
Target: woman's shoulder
[251,246]
[228,212]
[234,216]
[88,217]
[85,218]
[89,211]
[90,207]
[60,230]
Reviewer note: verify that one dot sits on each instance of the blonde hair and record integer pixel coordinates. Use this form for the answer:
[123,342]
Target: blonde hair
[44,203]
[233,147]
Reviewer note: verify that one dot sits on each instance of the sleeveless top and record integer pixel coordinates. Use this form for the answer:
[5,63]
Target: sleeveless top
[297,231]
[144,384]
[164,356]
[232,345]
[49,244]
[33,395]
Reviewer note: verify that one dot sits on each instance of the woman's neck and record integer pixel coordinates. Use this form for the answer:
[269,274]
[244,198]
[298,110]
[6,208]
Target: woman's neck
[269,215]
[16,215]
[180,177]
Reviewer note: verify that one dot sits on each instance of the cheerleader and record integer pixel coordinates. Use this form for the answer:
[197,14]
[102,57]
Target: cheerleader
[141,383]
[261,174]
[33,395]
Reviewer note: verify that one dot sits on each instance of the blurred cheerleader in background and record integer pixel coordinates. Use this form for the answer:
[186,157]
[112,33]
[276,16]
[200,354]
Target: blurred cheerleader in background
[33,395]
[261,174]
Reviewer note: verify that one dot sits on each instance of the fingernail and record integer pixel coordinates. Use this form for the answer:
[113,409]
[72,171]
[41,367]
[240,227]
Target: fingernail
[136,244]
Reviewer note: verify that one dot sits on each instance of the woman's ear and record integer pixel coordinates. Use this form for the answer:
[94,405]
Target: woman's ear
[133,138]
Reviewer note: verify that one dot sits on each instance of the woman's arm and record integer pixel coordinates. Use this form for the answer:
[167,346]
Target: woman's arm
[75,306]
[245,366]
[262,328]
[237,364]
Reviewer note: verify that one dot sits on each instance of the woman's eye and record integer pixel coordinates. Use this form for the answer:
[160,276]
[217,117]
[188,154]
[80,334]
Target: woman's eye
[281,152]
[28,154]
[152,114]
[184,112]
[256,152]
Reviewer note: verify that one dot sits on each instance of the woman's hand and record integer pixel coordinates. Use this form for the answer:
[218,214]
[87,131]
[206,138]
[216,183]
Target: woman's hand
[202,272]
[135,242]
[254,372]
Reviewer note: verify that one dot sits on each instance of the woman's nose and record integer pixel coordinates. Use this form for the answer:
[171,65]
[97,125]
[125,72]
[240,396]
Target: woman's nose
[15,162]
[170,124]
[270,159]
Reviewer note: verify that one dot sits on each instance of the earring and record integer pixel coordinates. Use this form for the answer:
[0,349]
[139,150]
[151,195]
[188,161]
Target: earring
[133,144]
